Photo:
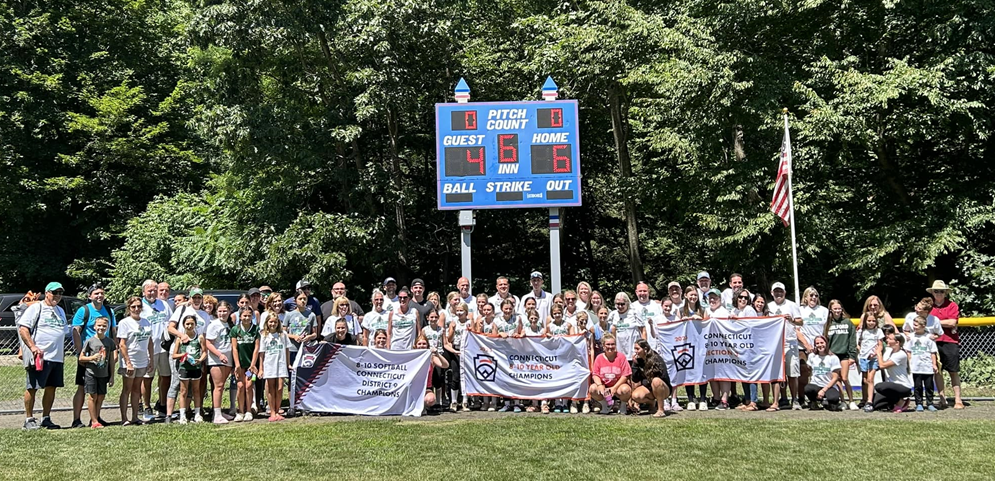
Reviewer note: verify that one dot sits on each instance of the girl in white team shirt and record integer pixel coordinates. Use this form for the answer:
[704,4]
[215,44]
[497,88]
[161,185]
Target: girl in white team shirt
[715,312]
[869,343]
[507,322]
[530,328]
[557,327]
[274,356]
[448,314]
[433,333]
[626,325]
[219,359]
[693,310]
[455,336]
[486,323]
[133,333]
[376,319]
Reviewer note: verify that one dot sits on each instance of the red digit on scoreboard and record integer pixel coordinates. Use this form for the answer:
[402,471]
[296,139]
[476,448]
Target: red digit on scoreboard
[479,160]
[561,163]
[556,118]
[470,119]
[508,148]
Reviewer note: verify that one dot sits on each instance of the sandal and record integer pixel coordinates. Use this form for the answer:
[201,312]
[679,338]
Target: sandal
[545,408]
[959,406]
[750,407]
[773,408]
[660,414]
[530,409]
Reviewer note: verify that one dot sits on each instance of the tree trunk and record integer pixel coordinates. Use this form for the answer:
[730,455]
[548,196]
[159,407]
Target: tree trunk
[625,166]
[395,175]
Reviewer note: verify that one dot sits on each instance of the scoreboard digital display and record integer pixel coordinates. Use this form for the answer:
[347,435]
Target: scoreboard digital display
[503,155]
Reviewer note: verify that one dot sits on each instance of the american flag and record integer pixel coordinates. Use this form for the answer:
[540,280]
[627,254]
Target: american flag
[780,203]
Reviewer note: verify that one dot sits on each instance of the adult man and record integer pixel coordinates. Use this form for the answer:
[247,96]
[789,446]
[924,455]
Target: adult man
[312,302]
[42,329]
[544,300]
[175,332]
[646,309]
[735,284]
[390,293]
[503,293]
[157,313]
[164,292]
[948,344]
[781,306]
[704,285]
[463,286]
[339,290]
[676,295]
[419,302]
[84,322]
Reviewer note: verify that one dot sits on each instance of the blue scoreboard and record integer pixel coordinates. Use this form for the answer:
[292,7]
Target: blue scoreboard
[505,155]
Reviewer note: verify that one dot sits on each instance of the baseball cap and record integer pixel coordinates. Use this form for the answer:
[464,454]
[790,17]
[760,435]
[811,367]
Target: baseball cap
[777,285]
[417,282]
[253,291]
[715,291]
[536,275]
[389,280]
[53,286]
[196,291]
[703,275]
[302,284]
[673,284]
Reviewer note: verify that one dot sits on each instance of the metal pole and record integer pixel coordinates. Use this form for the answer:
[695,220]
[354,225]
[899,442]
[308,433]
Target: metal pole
[549,94]
[791,207]
[466,220]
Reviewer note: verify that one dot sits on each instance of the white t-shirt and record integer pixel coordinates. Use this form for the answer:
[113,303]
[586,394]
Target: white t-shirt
[496,301]
[868,340]
[627,328]
[720,313]
[932,324]
[647,312]
[544,301]
[675,307]
[374,321]
[813,322]
[527,329]
[434,336]
[50,333]
[403,330]
[202,319]
[273,347]
[509,326]
[158,314]
[352,327]
[899,373]
[921,350]
[747,311]
[136,335]
[822,368]
[218,333]
[561,329]
[787,307]
[459,333]
[727,300]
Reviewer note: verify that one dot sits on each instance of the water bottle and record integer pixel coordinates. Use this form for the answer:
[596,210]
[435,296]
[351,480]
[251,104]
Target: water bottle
[610,401]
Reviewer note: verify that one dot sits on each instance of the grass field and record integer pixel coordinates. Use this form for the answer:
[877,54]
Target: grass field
[513,447]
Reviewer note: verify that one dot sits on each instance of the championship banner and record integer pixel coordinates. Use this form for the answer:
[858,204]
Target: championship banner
[740,350]
[332,378]
[526,367]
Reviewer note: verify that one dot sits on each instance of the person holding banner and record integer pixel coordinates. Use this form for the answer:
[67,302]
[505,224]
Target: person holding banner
[455,335]
[825,374]
[439,365]
[781,306]
[741,305]
[676,299]
[610,378]
[508,322]
[342,335]
[692,310]
[485,323]
[649,375]
[380,339]
[717,311]
[626,326]
[557,327]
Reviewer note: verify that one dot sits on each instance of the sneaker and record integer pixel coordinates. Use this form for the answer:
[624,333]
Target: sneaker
[46,422]
[238,418]
[220,420]
[518,408]
[703,406]
[722,406]
[675,407]
[586,409]
[182,420]
[812,406]
[453,407]
[76,424]
[505,408]
[868,408]
[198,418]
[247,417]
[666,405]
[96,425]
[920,409]
[557,409]
[898,408]
[148,415]
[573,409]
[853,406]
[466,408]
[931,408]
[545,408]
[690,406]
[796,406]
[31,423]
[168,421]
[491,409]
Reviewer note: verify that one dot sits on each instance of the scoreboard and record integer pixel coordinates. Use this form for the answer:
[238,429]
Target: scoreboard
[505,155]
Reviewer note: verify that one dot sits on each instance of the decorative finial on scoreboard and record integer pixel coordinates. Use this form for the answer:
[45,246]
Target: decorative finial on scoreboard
[462,91]
[549,89]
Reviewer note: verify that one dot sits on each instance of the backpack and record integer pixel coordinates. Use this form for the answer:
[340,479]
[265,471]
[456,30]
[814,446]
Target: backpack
[167,338]
[89,313]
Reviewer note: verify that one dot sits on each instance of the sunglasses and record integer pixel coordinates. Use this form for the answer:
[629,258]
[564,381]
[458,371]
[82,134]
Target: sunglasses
[135,307]
[619,303]
[744,297]
[571,299]
[58,292]
[402,298]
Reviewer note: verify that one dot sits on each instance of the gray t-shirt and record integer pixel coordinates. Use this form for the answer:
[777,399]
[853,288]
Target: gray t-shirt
[100,367]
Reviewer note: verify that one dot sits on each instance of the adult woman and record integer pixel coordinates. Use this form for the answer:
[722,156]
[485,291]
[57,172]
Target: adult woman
[626,325]
[455,334]
[610,377]
[842,336]
[434,298]
[596,302]
[649,375]
[570,308]
[874,304]
[813,324]
[341,334]
[825,374]
[583,295]
[741,308]
[889,395]
[376,318]
[342,309]
[448,315]
[948,343]
[692,310]
[760,305]
[438,364]
[133,335]
[219,359]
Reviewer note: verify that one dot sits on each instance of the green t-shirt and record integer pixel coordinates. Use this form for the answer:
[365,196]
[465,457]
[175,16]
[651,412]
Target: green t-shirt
[245,340]
[193,350]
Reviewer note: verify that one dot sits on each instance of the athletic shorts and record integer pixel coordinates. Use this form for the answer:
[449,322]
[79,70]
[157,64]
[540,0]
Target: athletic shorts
[791,361]
[162,364]
[49,376]
[95,385]
[138,372]
[868,364]
[843,357]
[949,356]
[190,374]
[80,374]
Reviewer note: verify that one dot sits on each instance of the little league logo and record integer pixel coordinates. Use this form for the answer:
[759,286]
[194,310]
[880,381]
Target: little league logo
[484,367]
[683,356]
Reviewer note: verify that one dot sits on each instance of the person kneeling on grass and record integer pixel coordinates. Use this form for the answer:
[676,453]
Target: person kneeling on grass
[894,392]
[825,374]
[437,362]
[611,377]
[649,375]
[98,356]
[189,357]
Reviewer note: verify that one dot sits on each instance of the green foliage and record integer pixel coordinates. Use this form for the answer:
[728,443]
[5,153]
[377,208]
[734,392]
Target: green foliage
[978,371]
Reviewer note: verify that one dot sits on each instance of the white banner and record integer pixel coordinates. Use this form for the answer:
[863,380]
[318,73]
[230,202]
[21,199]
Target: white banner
[741,350]
[525,368]
[333,378]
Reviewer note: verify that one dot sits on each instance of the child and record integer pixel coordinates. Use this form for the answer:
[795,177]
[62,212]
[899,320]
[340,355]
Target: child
[98,355]
[557,327]
[532,328]
[842,338]
[245,346]
[590,335]
[189,357]
[869,341]
[135,352]
[274,357]
[922,362]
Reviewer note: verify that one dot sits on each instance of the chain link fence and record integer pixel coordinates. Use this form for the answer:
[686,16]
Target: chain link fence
[973,340]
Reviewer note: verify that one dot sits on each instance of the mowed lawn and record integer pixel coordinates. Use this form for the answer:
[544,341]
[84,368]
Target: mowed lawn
[511,447]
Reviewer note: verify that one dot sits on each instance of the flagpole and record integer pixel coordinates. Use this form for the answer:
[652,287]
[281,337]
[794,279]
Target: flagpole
[791,210]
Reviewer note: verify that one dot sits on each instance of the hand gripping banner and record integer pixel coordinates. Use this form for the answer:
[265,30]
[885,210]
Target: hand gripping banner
[332,378]
[741,350]
[525,368]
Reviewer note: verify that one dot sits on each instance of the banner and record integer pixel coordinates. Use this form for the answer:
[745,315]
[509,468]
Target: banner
[332,378]
[525,368]
[741,350]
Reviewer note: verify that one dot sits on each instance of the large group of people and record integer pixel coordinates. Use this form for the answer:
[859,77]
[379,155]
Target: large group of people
[190,346]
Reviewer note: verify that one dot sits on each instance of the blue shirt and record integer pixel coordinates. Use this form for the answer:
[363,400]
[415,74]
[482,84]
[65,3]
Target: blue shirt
[88,330]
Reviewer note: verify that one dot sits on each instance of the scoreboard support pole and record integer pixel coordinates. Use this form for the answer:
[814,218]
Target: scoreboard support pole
[466,220]
[549,94]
